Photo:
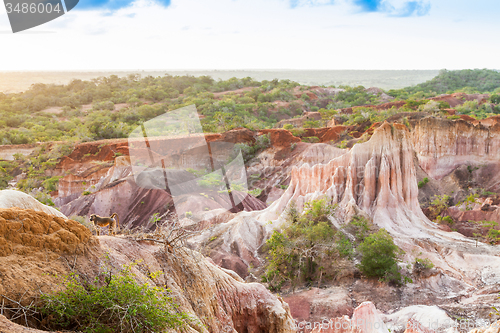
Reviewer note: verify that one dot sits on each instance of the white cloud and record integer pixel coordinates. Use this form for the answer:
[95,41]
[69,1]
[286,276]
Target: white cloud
[238,34]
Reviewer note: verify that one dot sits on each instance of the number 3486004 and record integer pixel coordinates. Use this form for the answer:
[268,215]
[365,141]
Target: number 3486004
[32,8]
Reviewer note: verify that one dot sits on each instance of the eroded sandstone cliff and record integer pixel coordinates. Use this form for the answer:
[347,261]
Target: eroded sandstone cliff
[442,145]
[378,179]
[38,249]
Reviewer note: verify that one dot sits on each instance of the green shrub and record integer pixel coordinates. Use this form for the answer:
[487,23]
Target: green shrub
[421,265]
[493,236]
[311,124]
[423,182]
[155,218]
[288,127]
[495,98]
[311,139]
[440,203]
[342,144]
[359,226]
[50,184]
[297,131]
[344,246]
[119,304]
[380,257]
[410,104]
[255,192]
[106,105]
[447,219]
[45,198]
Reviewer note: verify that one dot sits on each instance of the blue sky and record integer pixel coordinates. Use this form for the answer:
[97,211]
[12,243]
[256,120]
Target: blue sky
[260,34]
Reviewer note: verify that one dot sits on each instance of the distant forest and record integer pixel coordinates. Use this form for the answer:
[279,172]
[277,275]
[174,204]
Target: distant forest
[447,82]
[111,107]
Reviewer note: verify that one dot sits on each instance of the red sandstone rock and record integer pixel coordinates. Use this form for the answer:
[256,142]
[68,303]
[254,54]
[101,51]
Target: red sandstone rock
[442,145]
[280,138]
[239,135]
[491,121]
[217,300]
[326,134]
[316,304]
[467,118]
[459,98]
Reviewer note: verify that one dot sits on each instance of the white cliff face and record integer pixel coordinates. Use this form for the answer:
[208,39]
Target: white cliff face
[378,178]
[14,198]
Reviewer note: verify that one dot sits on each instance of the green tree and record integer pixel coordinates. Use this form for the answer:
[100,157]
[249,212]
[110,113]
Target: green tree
[295,251]
[440,203]
[327,115]
[380,256]
[495,99]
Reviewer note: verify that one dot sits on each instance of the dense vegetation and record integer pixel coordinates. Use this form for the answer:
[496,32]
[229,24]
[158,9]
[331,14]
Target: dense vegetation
[467,80]
[87,110]
[38,169]
[112,303]
[309,248]
[380,256]
[111,107]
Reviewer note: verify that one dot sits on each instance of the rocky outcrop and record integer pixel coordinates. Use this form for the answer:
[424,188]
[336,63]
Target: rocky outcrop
[442,145]
[316,305]
[22,229]
[118,192]
[376,179]
[365,319]
[13,198]
[280,138]
[32,247]
[299,122]
[9,327]
[221,302]
[90,162]
[87,164]
[459,98]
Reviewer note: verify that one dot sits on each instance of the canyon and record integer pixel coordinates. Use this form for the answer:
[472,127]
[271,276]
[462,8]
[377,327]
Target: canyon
[377,177]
